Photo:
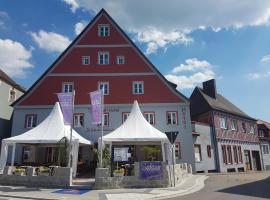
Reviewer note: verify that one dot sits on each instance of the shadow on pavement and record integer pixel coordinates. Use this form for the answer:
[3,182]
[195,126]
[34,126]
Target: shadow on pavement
[22,189]
[253,189]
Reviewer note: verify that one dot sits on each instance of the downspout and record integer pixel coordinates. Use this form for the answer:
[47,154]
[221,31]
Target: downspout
[215,143]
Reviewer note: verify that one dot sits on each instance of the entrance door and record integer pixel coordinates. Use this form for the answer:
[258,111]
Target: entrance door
[256,160]
[247,160]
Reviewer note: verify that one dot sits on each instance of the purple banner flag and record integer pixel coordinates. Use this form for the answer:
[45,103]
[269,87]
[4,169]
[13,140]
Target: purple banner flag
[96,101]
[66,103]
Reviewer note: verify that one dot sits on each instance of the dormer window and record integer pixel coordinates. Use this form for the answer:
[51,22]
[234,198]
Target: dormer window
[103,30]
[86,60]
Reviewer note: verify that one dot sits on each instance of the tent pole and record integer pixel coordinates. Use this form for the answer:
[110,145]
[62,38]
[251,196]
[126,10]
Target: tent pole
[163,152]
[13,154]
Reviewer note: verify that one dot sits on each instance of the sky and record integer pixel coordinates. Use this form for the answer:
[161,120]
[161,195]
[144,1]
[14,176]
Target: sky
[189,41]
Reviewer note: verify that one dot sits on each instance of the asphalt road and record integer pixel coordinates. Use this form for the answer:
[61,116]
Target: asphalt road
[248,186]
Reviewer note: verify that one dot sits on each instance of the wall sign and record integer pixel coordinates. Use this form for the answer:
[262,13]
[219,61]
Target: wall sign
[151,170]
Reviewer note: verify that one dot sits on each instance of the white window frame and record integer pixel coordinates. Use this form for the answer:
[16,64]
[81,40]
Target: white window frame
[10,97]
[119,58]
[234,126]
[101,33]
[106,115]
[148,118]
[68,84]
[198,155]
[84,58]
[265,148]
[223,122]
[108,87]
[77,117]
[134,91]
[32,119]
[172,114]
[103,54]
[125,115]
[252,130]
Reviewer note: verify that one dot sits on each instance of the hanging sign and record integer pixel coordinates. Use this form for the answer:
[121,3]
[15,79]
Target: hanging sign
[66,103]
[96,101]
[151,170]
[121,154]
[172,136]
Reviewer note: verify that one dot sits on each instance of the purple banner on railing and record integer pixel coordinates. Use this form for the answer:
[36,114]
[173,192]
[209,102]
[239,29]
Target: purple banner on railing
[96,101]
[151,170]
[66,103]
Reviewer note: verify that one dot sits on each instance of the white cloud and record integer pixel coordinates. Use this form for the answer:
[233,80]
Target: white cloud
[79,27]
[73,5]
[50,41]
[258,76]
[156,39]
[4,20]
[265,59]
[14,58]
[181,15]
[197,71]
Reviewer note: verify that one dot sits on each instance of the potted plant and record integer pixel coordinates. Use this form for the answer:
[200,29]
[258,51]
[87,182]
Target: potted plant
[118,172]
[19,171]
[44,171]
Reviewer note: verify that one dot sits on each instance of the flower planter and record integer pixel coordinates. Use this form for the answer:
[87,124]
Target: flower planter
[118,174]
[44,173]
[18,173]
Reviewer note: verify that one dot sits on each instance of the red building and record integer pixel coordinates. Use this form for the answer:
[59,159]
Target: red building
[103,56]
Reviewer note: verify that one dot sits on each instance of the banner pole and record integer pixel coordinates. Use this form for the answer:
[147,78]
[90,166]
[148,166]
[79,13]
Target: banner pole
[71,127]
[101,149]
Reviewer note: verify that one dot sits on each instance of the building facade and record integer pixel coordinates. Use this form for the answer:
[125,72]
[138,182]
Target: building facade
[103,57]
[234,132]
[264,137]
[204,147]
[9,92]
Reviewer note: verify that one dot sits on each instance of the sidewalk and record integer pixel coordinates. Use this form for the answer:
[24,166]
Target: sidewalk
[191,184]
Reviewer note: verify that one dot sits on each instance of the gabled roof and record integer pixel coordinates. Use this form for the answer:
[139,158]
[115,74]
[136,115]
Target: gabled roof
[261,122]
[4,77]
[136,128]
[170,85]
[223,104]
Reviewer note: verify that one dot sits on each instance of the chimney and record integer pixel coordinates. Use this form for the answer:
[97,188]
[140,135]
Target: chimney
[209,87]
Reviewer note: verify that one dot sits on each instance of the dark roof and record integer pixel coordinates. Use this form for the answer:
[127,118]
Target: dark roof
[223,104]
[4,77]
[172,85]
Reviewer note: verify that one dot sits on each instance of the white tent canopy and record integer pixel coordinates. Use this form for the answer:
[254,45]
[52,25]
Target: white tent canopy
[49,131]
[136,128]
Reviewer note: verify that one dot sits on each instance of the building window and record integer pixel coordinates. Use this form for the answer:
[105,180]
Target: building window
[103,58]
[67,87]
[138,87]
[251,129]
[234,125]
[104,87]
[229,152]
[86,60]
[235,154]
[178,150]
[150,117]
[223,123]
[261,133]
[197,152]
[12,95]
[224,154]
[78,120]
[106,119]
[172,117]
[30,121]
[244,127]
[240,158]
[120,60]
[209,151]
[265,149]
[125,116]
[103,30]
